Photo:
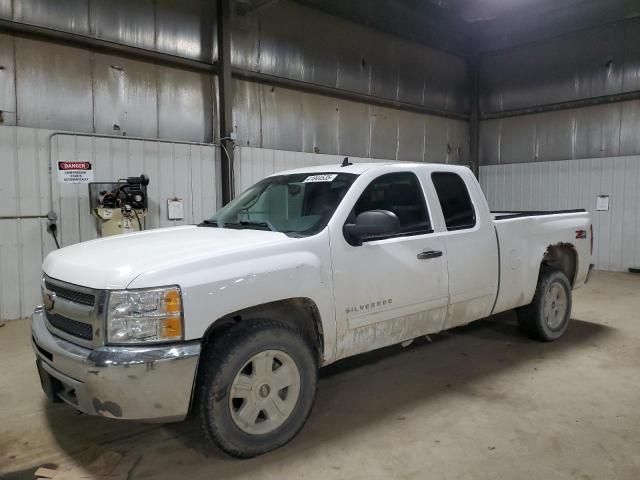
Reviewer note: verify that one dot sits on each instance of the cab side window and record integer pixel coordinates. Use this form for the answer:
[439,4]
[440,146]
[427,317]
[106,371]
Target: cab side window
[455,201]
[401,194]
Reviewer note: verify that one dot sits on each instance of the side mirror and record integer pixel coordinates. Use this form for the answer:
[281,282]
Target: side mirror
[372,224]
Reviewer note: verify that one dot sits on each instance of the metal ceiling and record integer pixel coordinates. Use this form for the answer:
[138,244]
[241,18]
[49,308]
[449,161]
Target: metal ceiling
[419,20]
[468,26]
[507,23]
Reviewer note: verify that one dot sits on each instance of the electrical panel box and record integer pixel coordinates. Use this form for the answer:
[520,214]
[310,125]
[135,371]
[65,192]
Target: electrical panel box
[175,209]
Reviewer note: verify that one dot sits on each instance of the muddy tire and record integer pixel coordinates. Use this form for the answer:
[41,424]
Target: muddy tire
[256,386]
[546,318]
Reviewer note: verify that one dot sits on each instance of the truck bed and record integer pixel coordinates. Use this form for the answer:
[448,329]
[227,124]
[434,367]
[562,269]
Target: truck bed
[505,215]
[523,239]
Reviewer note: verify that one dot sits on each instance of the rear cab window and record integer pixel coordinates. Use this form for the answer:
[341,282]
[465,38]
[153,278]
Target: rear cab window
[455,201]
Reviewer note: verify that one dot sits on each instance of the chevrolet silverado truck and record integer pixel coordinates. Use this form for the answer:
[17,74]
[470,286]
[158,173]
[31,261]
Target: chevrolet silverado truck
[230,320]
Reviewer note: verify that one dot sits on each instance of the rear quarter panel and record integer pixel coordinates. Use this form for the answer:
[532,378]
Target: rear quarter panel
[523,243]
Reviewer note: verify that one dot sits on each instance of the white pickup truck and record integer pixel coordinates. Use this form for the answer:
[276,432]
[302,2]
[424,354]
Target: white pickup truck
[232,318]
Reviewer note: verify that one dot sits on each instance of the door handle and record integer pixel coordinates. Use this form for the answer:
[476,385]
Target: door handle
[429,254]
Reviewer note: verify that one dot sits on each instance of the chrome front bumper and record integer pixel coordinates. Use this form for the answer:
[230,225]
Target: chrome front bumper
[151,383]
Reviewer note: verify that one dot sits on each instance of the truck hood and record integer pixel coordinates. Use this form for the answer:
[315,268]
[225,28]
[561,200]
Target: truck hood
[114,262]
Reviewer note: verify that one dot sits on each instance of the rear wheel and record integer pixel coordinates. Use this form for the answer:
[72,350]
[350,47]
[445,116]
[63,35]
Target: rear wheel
[546,318]
[256,388]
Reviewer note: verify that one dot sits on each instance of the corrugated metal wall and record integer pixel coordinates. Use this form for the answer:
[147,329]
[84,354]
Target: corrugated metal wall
[572,184]
[25,198]
[23,245]
[564,159]
[114,95]
[284,39]
[27,194]
[54,86]
[294,41]
[184,28]
[609,130]
[592,63]
[186,171]
[49,85]
[304,122]
[253,164]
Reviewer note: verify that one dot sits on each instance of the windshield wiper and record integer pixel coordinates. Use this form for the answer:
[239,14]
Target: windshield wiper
[261,225]
[209,223]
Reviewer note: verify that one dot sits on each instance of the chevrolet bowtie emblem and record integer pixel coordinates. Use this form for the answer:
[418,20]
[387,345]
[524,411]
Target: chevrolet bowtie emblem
[49,300]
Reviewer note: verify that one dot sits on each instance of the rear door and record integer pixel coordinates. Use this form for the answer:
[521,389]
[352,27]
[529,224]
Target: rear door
[393,289]
[472,249]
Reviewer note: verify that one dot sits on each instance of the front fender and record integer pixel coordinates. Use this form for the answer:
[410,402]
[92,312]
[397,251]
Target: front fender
[215,288]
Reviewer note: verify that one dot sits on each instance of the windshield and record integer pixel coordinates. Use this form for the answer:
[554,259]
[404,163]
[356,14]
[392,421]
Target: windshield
[299,204]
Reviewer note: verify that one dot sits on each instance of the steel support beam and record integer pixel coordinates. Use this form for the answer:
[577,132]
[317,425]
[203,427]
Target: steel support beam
[102,46]
[474,118]
[225,98]
[555,107]
[251,7]
[283,82]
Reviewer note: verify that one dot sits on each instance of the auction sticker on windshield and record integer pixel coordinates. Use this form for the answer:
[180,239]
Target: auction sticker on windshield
[328,177]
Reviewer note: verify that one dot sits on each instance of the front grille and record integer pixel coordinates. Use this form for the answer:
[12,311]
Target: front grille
[72,327]
[72,295]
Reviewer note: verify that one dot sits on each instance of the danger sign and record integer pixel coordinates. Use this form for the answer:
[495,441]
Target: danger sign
[75,172]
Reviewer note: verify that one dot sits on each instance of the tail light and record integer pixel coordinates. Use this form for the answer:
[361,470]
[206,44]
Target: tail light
[591,236]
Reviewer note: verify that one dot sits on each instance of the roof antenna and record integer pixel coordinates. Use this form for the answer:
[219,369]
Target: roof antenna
[346,162]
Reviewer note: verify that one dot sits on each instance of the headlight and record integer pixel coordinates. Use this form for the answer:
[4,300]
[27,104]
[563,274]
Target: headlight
[145,316]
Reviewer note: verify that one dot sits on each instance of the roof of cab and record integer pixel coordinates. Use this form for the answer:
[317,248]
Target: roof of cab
[359,168]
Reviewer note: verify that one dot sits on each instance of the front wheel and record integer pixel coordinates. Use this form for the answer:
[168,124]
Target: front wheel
[546,318]
[256,388]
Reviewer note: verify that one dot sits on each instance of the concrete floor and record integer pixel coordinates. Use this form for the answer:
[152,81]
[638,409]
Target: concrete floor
[477,402]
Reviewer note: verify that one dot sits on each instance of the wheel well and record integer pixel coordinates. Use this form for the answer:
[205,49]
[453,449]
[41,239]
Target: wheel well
[562,257]
[301,313]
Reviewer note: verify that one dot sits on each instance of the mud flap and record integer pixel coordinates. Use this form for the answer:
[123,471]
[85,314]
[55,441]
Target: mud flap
[586,280]
[50,385]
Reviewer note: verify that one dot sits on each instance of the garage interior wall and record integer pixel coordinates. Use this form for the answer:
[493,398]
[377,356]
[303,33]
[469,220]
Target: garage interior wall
[56,80]
[118,95]
[28,193]
[253,164]
[539,152]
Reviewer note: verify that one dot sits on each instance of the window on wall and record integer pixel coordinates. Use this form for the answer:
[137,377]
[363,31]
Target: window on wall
[454,199]
[401,194]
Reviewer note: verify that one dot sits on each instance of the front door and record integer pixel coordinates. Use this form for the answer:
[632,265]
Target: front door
[393,289]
